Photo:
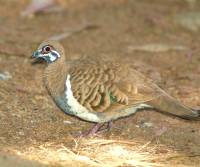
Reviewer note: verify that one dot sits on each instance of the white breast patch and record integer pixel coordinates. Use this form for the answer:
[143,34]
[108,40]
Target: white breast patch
[76,107]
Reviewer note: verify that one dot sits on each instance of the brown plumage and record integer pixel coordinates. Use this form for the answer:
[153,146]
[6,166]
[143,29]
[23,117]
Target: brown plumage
[99,90]
[94,81]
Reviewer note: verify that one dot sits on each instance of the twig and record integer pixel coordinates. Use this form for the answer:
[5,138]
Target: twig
[181,156]
[73,31]
[106,142]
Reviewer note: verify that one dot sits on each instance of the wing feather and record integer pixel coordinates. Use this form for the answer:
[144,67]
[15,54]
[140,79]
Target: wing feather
[102,86]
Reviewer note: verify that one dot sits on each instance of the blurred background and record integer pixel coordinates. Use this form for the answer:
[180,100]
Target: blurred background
[161,40]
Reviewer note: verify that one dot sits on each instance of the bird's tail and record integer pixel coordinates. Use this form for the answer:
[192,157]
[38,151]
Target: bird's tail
[168,105]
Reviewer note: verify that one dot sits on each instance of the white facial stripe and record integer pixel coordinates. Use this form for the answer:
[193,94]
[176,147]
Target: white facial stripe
[53,55]
[52,58]
[53,51]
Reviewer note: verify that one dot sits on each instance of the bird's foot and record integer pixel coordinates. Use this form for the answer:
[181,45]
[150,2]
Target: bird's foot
[97,128]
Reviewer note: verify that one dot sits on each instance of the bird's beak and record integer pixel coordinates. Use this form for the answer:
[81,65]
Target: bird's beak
[35,54]
[36,57]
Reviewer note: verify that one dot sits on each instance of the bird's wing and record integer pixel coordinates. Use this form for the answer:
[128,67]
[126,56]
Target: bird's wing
[102,86]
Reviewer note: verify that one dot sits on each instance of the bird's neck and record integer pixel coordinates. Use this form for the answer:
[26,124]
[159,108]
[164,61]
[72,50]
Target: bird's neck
[55,76]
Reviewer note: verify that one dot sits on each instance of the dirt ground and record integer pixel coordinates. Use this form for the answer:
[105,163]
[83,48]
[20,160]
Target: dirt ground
[32,127]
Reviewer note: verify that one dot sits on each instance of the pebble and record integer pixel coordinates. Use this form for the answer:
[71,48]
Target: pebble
[145,125]
[5,75]
[67,122]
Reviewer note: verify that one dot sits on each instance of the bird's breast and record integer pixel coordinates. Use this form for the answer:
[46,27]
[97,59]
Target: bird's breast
[69,104]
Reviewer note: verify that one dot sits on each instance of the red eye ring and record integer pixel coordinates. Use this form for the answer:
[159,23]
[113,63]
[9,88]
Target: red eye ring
[46,49]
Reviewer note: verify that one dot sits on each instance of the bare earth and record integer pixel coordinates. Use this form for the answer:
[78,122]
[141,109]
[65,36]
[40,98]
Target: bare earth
[33,128]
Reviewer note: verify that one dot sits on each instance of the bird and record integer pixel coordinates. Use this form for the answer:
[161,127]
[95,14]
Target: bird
[99,90]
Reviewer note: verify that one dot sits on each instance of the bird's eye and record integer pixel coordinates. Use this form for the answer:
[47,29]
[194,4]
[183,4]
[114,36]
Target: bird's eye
[46,49]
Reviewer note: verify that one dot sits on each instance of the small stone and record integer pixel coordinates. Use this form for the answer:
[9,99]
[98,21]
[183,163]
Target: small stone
[21,133]
[5,75]
[144,125]
[67,122]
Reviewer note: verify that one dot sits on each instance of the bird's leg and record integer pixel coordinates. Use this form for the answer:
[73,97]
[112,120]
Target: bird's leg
[92,131]
[98,127]
[107,127]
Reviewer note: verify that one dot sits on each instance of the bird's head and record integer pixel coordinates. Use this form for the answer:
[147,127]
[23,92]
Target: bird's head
[50,51]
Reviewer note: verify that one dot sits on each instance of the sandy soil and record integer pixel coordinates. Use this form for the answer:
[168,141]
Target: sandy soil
[28,117]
